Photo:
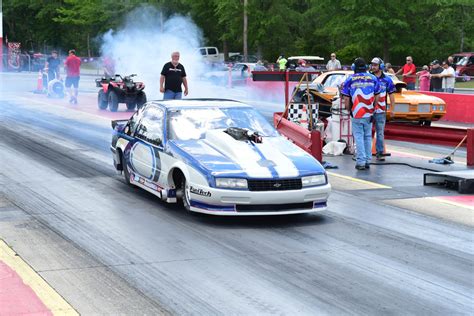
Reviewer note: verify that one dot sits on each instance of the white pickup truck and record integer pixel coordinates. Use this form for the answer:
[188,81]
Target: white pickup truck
[211,54]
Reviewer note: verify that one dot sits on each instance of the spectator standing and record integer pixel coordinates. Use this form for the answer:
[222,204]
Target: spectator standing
[424,77]
[360,91]
[303,67]
[333,63]
[389,68]
[52,66]
[436,82]
[73,72]
[109,67]
[409,73]
[281,61]
[387,88]
[448,77]
[451,62]
[173,76]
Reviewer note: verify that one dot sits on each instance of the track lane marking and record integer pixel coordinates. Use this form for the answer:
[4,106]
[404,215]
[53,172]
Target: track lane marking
[373,184]
[446,200]
[53,301]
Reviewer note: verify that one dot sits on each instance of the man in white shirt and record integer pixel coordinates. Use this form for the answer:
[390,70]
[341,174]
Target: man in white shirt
[449,77]
[333,63]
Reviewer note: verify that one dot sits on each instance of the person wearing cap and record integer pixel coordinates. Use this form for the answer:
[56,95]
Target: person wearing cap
[333,63]
[360,92]
[409,73]
[52,66]
[303,67]
[448,77]
[436,82]
[387,88]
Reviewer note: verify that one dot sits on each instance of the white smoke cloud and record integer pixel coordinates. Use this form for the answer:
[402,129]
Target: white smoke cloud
[145,43]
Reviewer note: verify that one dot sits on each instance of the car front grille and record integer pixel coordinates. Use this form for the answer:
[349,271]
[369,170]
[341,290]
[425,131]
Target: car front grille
[401,107]
[274,185]
[424,108]
[274,207]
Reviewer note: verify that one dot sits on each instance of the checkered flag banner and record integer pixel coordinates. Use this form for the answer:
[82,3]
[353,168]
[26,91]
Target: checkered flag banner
[299,114]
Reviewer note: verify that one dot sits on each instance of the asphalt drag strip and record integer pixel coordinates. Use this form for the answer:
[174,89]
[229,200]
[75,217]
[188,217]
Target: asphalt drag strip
[108,248]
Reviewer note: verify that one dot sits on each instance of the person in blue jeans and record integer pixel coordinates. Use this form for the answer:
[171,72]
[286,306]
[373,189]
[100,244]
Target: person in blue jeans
[360,91]
[387,88]
[173,76]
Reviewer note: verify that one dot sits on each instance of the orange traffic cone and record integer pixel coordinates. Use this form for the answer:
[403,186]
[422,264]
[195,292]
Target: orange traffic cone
[39,84]
[374,149]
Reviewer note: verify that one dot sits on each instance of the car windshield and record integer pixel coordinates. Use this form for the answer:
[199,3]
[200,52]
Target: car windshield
[185,124]
[462,61]
[333,81]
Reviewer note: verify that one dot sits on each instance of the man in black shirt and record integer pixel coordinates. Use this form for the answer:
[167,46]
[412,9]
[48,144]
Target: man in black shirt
[436,83]
[52,66]
[172,77]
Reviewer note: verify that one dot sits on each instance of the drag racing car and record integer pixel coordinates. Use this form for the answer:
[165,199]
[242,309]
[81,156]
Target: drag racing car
[409,105]
[219,157]
[120,89]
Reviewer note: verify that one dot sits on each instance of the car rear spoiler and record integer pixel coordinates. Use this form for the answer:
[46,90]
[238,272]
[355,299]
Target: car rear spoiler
[118,122]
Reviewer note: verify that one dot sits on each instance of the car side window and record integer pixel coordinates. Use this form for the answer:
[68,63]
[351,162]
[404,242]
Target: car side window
[151,126]
[203,51]
[211,51]
[132,123]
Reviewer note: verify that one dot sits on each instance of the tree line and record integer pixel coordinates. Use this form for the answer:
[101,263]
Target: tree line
[391,29]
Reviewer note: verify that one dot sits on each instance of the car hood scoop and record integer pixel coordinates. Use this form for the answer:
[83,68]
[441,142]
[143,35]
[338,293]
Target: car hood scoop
[223,155]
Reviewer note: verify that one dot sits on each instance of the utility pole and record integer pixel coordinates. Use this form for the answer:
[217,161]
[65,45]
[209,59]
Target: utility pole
[245,31]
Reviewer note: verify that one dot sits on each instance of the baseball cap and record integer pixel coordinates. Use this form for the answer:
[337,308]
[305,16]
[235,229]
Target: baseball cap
[435,62]
[376,60]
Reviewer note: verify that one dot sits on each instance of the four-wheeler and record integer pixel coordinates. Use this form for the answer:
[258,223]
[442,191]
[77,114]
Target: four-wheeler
[120,90]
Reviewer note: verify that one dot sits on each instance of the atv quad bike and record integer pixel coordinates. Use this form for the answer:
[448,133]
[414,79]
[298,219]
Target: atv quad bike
[120,90]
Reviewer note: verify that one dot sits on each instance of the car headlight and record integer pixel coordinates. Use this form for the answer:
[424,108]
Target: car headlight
[231,183]
[434,107]
[441,107]
[313,180]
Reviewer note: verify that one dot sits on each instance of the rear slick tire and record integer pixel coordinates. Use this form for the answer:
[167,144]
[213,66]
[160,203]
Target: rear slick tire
[126,174]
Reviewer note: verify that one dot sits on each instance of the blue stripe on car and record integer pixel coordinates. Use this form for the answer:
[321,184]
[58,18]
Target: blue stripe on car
[210,207]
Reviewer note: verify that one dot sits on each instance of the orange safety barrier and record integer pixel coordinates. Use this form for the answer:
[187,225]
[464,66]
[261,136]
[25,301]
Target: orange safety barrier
[459,107]
[310,141]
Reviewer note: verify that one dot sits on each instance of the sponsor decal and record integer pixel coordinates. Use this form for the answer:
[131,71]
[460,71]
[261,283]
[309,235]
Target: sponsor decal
[199,192]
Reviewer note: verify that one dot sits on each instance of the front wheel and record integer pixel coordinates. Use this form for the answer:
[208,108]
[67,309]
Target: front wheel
[113,101]
[102,100]
[186,199]
[131,106]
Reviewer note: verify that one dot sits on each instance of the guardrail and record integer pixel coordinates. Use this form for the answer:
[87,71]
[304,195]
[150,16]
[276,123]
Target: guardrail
[432,135]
